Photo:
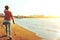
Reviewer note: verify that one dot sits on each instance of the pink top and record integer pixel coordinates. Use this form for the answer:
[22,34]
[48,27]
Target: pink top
[8,15]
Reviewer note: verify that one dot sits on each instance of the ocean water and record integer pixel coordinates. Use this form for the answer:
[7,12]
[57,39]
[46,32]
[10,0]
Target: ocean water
[47,28]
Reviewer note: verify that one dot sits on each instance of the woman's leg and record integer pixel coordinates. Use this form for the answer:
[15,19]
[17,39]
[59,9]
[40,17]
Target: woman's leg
[10,29]
[6,29]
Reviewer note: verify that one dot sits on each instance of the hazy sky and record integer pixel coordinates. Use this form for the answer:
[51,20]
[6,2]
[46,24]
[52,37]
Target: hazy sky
[32,7]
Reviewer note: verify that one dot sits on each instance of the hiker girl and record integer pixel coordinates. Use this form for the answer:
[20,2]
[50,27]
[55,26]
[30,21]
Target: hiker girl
[8,20]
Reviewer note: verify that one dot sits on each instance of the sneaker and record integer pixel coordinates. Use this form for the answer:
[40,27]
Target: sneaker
[9,38]
[4,36]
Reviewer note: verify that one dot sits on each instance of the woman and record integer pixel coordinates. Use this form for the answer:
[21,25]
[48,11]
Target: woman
[8,20]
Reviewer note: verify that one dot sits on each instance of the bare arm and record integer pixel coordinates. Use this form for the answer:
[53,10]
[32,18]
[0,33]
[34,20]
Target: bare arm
[12,18]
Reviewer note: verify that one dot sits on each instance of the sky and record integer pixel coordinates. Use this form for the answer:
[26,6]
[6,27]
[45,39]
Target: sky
[32,7]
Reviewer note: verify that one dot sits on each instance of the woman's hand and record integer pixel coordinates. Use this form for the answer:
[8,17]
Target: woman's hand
[13,22]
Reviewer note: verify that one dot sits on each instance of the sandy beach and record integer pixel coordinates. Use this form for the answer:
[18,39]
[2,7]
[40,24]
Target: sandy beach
[18,33]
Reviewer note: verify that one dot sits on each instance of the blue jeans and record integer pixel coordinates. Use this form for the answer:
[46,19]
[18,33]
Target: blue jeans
[8,27]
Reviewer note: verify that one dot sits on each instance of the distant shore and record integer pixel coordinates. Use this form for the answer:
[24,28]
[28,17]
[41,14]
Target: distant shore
[34,16]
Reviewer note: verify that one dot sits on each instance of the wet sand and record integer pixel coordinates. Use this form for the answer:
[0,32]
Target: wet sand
[18,33]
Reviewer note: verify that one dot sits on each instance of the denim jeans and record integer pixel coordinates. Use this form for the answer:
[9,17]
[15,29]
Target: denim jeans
[8,27]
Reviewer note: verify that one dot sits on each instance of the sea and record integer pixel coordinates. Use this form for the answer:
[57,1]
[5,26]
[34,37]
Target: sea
[46,28]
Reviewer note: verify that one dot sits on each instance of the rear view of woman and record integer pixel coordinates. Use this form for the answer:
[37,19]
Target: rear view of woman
[8,20]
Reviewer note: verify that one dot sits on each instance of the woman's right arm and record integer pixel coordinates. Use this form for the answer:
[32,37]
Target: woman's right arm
[12,18]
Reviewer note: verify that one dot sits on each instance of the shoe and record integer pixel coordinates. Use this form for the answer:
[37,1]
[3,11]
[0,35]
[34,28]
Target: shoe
[4,36]
[9,38]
